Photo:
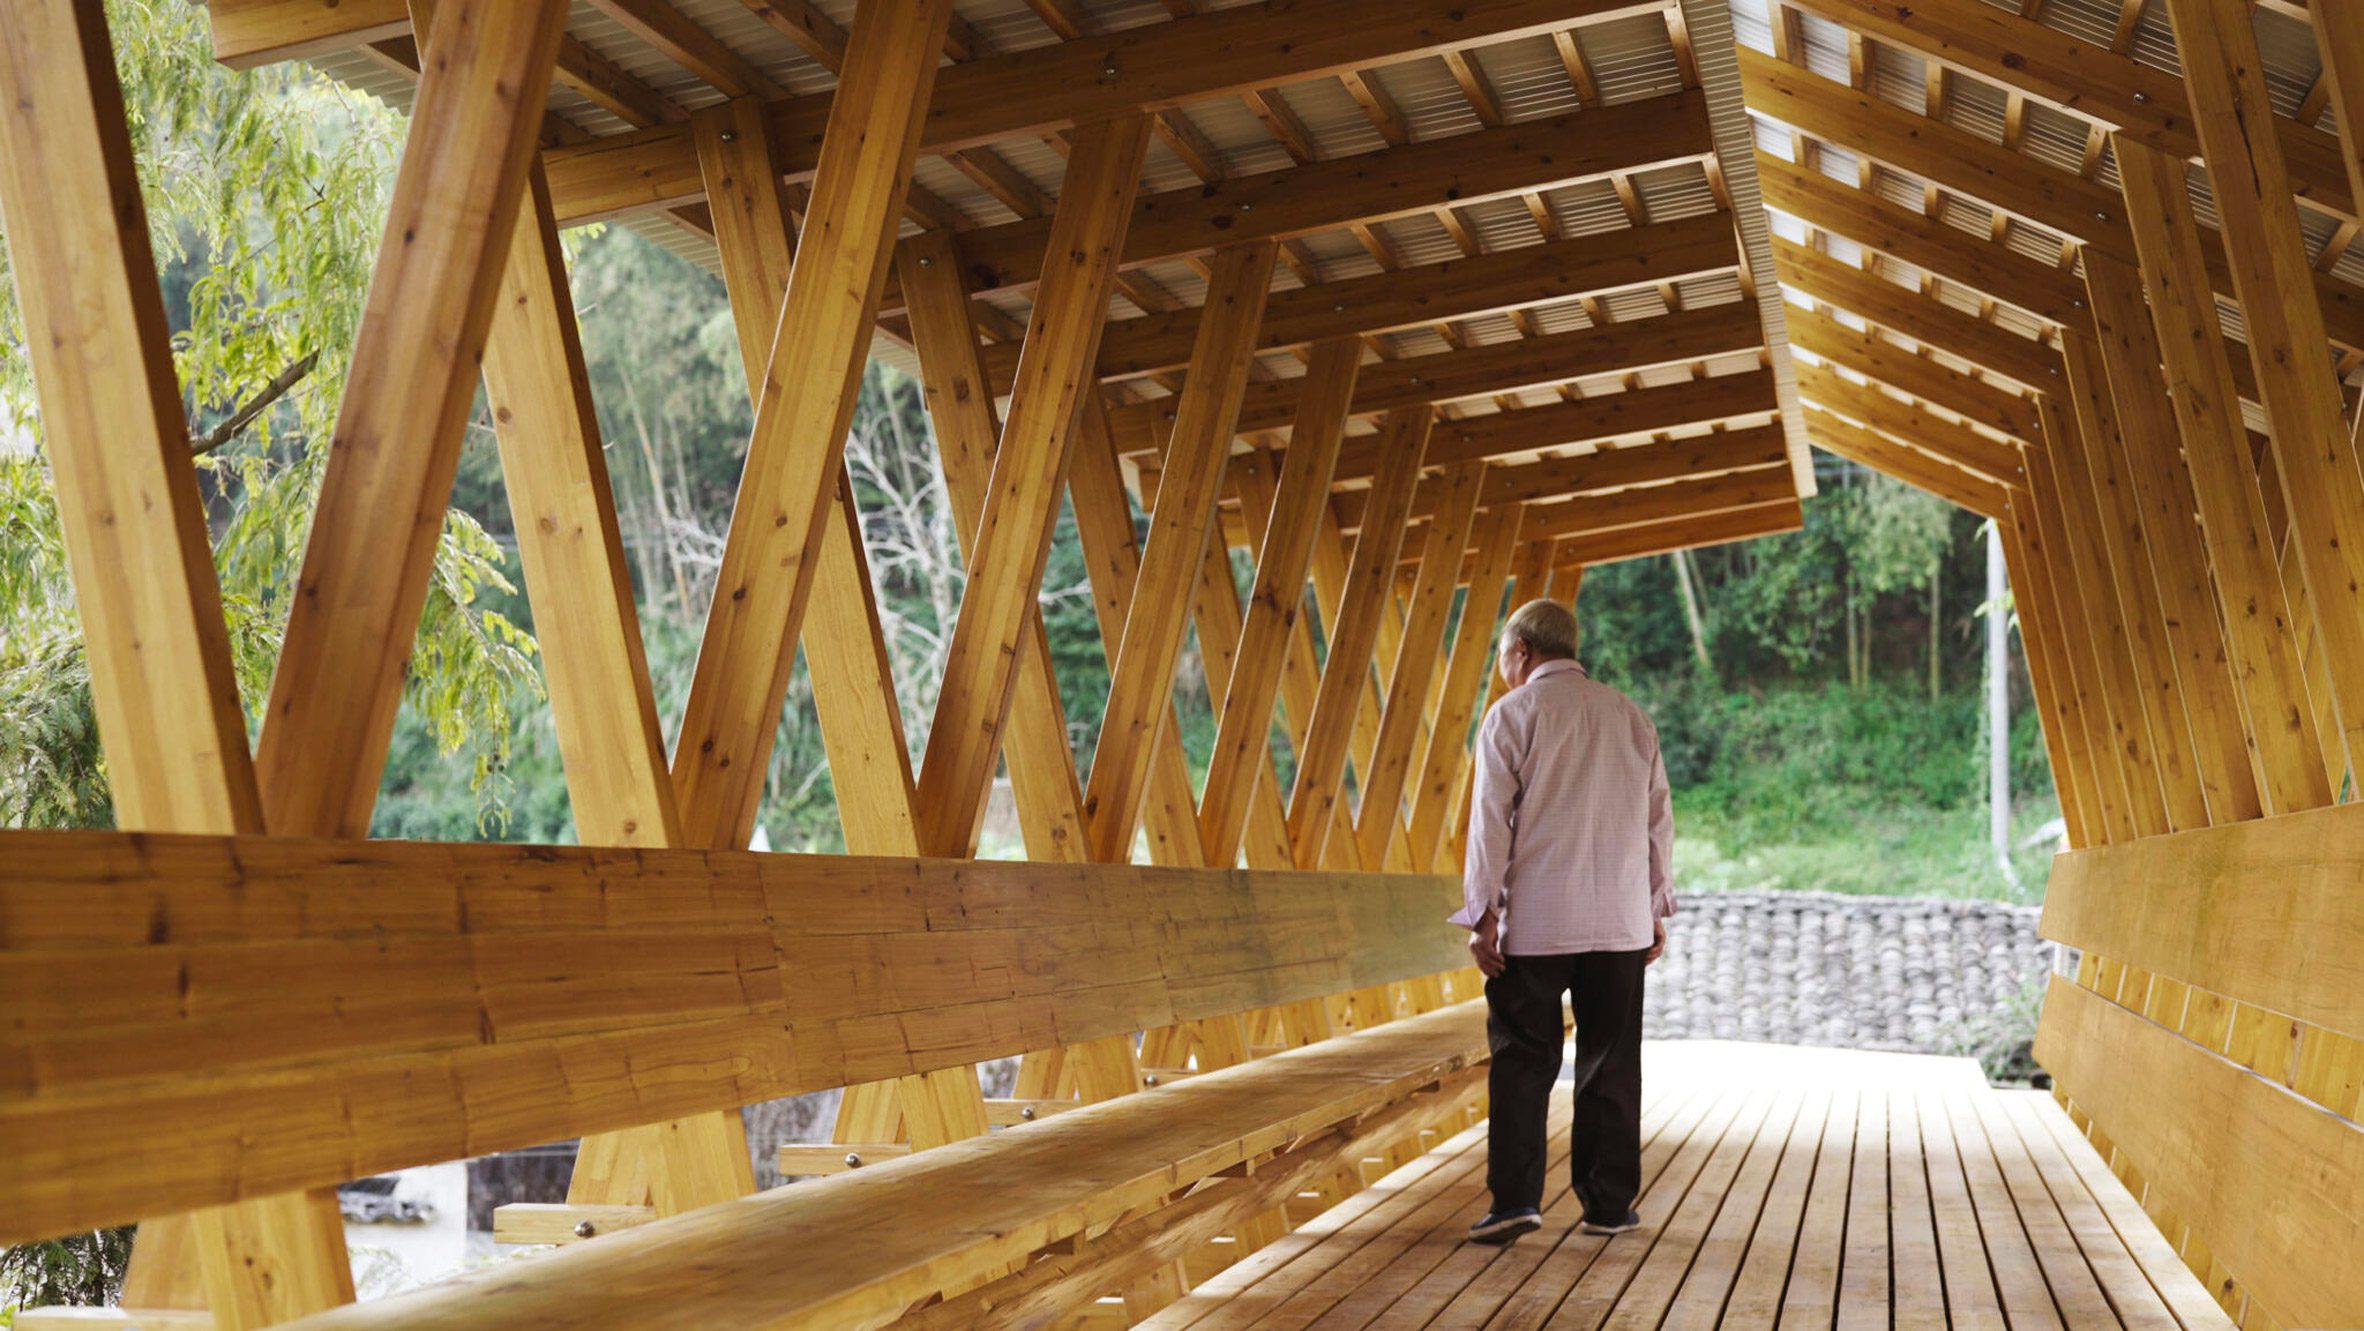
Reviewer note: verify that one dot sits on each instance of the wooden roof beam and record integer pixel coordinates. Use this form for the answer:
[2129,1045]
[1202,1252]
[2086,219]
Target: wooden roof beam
[1482,371]
[1979,494]
[1586,549]
[1700,457]
[1371,187]
[1825,338]
[1995,176]
[1606,514]
[1905,310]
[1908,420]
[1028,94]
[1410,297]
[2084,79]
[1582,420]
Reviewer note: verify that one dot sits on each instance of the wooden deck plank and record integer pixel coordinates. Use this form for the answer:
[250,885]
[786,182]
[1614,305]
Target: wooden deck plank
[2131,1295]
[1755,1304]
[1716,1265]
[1864,1292]
[2019,1278]
[1798,1187]
[1812,1297]
[2191,1303]
[1918,1280]
[1581,1257]
[2074,1289]
[1970,1298]
[1599,1297]
[1666,1125]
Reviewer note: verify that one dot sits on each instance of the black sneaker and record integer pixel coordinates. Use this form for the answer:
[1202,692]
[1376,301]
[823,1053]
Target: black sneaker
[1499,1227]
[1632,1220]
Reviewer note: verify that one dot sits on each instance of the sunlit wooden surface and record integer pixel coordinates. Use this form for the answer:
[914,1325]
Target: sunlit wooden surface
[1785,1186]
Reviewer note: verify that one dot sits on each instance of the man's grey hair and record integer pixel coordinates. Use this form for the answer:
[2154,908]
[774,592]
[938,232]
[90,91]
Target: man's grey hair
[1547,627]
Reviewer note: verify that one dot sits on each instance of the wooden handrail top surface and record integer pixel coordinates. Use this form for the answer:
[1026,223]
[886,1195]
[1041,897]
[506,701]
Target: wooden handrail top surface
[857,1249]
[305,1011]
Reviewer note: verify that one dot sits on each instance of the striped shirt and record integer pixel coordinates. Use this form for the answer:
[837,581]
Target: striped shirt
[1571,829]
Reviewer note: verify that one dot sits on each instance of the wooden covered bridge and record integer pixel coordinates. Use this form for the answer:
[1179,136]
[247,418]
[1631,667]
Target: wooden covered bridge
[1404,296]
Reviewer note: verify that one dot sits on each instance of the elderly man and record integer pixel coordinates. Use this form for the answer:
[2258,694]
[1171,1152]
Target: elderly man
[1567,889]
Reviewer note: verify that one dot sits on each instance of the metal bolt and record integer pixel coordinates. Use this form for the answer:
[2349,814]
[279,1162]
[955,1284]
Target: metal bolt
[853,1160]
[1027,1113]
[2100,216]
[927,261]
[730,136]
[1245,207]
[1109,69]
[2142,99]
[1339,308]
[585,1229]
[1149,1079]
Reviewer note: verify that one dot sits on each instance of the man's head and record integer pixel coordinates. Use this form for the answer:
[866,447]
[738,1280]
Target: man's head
[1538,631]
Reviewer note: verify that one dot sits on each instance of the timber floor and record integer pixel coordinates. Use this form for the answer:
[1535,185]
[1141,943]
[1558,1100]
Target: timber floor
[1784,1187]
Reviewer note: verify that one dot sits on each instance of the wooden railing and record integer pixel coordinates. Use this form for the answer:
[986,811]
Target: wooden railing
[2210,1044]
[197,1020]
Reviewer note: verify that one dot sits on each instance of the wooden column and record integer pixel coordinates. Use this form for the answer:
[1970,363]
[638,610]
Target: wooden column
[2315,454]
[1043,780]
[845,650]
[1140,696]
[2118,539]
[356,603]
[1276,605]
[1447,760]
[137,549]
[1354,633]
[1381,818]
[2064,499]
[2153,497]
[2041,629]
[1534,574]
[809,384]
[2223,478]
[1029,471]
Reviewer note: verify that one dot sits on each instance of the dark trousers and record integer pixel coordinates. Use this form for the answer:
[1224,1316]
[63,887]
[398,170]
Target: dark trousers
[1524,1028]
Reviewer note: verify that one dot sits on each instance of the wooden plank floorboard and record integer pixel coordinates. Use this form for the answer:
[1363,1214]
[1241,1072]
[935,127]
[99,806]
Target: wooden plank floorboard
[1452,1296]
[1781,1187]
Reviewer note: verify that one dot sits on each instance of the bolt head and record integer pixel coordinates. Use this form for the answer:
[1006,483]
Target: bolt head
[730,136]
[1027,1113]
[585,1229]
[853,1160]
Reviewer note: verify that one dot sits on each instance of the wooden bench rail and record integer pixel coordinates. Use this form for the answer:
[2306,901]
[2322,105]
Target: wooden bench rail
[898,1232]
[2264,911]
[2271,1181]
[306,1011]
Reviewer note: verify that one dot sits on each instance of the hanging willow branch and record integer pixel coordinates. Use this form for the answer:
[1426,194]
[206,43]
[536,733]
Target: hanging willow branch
[254,406]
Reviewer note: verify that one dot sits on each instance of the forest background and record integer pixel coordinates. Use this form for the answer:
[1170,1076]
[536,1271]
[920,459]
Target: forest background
[1818,694]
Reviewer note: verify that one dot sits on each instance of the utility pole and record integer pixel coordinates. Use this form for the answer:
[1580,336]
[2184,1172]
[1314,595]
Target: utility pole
[1998,706]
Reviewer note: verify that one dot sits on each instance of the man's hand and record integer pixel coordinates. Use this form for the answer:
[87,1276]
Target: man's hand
[1484,944]
[1657,942]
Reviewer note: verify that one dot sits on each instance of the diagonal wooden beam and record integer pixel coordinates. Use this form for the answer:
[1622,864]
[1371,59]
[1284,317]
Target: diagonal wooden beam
[1414,297]
[1905,420]
[1825,337]
[2041,628]
[1441,769]
[2156,491]
[1716,454]
[1141,687]
[1584,420]
[797,449]
[2000,178]
[845,648]
[1889,457]
[1029,473]
[1690,532]
[2085,79]
[1379,824]
[1484,370]
[396,444]
[968,431]
[162,682]
[1354,634]
[1275,607]
[2224,482]
[2314,452]
[1599,514]
[1903,309]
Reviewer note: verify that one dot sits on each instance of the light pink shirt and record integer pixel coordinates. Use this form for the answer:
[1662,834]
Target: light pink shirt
[1571,832]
